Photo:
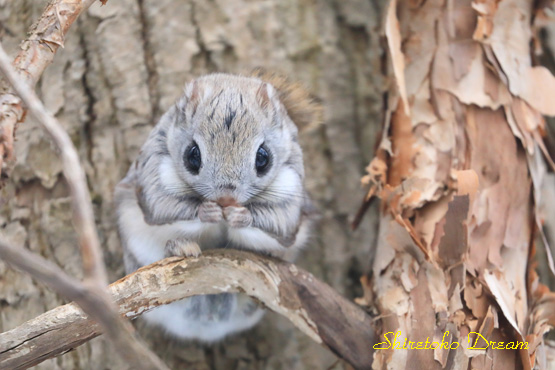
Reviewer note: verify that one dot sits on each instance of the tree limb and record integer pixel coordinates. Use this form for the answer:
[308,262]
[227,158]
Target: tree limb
[314,307]
[93,264]
[92,299]
[36,53]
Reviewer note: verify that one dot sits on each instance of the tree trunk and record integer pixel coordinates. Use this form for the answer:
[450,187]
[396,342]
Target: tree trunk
[122,66]
[459,171]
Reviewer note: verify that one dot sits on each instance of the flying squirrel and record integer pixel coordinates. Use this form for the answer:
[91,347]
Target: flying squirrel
[222,169]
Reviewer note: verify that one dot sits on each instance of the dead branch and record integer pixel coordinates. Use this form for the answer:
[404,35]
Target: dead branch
[92,299]
[36,53]
[93,264]
[314,307]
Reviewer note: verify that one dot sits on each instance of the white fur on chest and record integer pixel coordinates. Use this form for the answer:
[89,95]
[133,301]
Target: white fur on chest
[147,242]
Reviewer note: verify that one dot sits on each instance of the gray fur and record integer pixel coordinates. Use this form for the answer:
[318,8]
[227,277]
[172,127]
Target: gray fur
[229,117]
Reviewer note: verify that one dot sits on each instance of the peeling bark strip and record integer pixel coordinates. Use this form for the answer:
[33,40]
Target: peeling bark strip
[314,307]
[36,53]
[455,172]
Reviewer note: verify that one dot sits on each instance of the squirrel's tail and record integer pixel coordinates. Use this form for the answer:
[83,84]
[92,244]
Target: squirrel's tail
[302,108]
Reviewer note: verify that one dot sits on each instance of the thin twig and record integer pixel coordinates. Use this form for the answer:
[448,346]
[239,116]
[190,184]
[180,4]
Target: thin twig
[314,307]
[93,265]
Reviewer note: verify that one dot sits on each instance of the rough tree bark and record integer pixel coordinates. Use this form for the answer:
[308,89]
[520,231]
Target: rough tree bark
[122,66]
[459,172]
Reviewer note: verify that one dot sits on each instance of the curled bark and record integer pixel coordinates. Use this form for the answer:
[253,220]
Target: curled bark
[314,307]
[458,171]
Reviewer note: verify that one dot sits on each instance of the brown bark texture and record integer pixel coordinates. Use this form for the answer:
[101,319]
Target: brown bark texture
[459,171]
[122,65]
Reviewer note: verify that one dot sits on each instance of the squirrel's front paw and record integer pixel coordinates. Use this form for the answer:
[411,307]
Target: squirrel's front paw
[182,247]
[237,217]
[210,212]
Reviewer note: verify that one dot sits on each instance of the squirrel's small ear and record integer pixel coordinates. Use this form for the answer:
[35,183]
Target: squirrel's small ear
[263,95]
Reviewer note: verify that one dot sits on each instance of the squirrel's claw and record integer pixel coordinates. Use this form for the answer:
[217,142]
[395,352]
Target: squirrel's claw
[237,217]
[210,212]
[182,247]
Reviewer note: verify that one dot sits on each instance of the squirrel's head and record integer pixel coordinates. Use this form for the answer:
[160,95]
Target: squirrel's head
[231,140]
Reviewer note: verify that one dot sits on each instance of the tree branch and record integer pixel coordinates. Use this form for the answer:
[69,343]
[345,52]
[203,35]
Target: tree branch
[36,53]
[314,307]
[93,264]
[93,300]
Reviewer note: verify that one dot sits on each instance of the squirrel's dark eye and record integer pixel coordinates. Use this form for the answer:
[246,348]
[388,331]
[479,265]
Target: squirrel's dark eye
[192,159]
[262,161]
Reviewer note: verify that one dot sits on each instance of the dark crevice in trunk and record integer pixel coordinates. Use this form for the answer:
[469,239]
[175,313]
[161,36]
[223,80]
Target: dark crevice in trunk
[150,64]
[91,100]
